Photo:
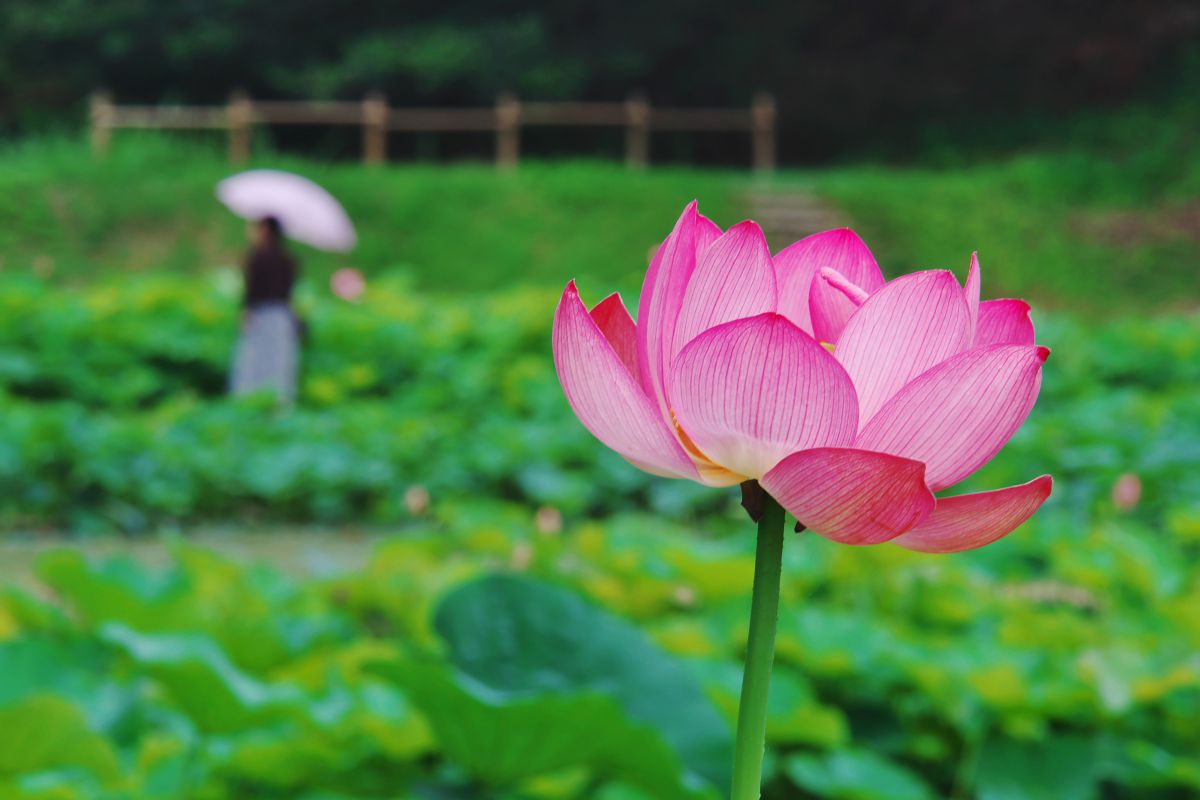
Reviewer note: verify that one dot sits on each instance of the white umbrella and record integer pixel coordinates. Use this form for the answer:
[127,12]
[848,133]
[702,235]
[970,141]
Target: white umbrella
[306,212]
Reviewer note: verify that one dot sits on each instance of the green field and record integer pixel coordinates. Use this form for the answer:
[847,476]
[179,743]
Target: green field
[1109,224]
[150,207]
[553,624]
[1073,639]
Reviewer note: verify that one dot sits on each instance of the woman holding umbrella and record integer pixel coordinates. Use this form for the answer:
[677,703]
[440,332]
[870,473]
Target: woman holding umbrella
[267,352]
[278,204]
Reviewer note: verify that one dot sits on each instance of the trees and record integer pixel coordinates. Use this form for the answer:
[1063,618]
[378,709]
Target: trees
[846,74]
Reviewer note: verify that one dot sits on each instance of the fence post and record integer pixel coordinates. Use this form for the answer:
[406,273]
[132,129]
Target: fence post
[239,118]
[375,118]
[100,116]
[508,131]
[763,116]
[637,131]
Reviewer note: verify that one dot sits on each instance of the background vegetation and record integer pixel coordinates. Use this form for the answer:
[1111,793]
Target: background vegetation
[876,77]
[1102,216]
[427,580]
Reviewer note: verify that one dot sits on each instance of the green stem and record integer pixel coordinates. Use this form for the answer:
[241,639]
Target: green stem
[760,654]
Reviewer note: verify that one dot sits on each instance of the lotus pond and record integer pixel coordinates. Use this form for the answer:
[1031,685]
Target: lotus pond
[552,623]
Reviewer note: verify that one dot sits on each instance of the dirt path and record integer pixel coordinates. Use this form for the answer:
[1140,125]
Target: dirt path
[300,553]
[790,213]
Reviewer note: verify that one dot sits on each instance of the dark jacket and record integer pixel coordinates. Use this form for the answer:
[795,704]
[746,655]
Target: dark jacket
[270,274]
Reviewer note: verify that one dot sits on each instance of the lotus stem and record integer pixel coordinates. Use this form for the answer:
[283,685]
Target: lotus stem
[750,741]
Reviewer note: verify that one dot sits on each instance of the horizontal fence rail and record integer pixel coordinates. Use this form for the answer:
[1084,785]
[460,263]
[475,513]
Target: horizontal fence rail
[504,120]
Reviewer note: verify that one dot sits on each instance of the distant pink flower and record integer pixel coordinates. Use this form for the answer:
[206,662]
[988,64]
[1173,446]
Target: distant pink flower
[1127,491]
[348,284]
[850,400]
[416,499]
[548,520]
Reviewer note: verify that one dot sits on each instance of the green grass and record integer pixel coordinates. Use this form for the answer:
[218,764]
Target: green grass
[150,205]
[1071,642]
[1040,229]
[1102,213]
[1103,217]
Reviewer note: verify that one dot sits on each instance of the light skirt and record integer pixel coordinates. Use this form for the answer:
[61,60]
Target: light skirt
[267,353]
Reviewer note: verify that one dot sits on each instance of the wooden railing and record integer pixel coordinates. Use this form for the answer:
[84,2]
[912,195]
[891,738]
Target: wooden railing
[505,120]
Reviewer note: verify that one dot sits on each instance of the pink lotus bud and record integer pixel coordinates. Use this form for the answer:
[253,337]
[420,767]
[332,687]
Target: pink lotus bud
[548,521]
[1127,491]
[522,556]
[684,596]
[348,284]
[416,500]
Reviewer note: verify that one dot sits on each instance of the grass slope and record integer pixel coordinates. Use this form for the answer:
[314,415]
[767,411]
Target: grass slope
[1111,222]
[150,205]
[1102,213]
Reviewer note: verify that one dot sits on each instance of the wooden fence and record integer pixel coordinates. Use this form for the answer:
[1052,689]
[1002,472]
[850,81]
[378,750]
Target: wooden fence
[505,120]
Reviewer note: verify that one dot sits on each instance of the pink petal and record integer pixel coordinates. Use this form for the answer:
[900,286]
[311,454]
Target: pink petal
[852,291]
[973,520]
[908,326]
[662,295]
[851,496]
[734,279]
[613,320]
[959,414]
[1004,322]
[971,291]
[830,308]
[752,391]
[797,265]
[606,397]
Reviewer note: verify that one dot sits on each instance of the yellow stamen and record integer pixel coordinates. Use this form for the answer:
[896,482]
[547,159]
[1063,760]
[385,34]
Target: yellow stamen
[709,469]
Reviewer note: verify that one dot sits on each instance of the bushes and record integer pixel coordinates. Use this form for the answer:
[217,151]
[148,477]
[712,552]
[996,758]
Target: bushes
[1056,664]
[899,675]
[114,412]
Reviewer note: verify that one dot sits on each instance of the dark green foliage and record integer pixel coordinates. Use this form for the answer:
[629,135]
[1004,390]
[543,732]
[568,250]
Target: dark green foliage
[518,637]
[113,412]
[1059,663]
[875,74]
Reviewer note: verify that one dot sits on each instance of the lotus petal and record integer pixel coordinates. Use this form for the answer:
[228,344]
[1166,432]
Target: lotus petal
[662,295]
[908,326]
[1004,322]
[613,320]
[733,279]
[959,414]
[851,496]
[820,310]
[973,520]
[752,391]
[607,398]
[971,290]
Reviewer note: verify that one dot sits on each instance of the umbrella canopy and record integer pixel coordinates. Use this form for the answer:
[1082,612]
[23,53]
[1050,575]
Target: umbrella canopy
[307,212]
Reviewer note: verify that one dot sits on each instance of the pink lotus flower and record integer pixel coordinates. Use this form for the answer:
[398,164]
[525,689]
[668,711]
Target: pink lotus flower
[348,284]
[851,400]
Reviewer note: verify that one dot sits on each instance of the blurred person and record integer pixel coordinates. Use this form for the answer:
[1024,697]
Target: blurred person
[267,353]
